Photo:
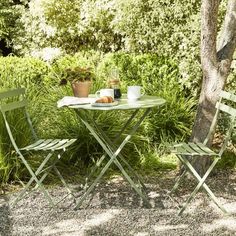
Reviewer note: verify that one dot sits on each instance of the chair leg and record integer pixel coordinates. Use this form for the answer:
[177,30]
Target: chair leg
[48,168]
[93,170]
[53,166]
[200,184]
[34,178]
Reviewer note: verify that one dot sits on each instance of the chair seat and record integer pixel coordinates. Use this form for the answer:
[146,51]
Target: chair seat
[192,149]
[49,144]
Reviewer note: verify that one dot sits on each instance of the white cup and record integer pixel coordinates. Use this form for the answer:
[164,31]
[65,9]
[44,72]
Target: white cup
[105,92]
[134,92]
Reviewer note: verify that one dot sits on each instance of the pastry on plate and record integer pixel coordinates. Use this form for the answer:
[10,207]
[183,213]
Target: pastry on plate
[105,99]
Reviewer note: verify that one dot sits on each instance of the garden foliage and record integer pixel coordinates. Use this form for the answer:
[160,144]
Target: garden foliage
[9,15]
[165,27]
[153,43]
[48,28]
[158,75]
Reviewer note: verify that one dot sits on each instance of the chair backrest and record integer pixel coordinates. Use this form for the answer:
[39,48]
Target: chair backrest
[12,100]
[225,103]
[7,105]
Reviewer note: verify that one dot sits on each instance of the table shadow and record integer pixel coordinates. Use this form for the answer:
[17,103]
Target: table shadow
[119,196]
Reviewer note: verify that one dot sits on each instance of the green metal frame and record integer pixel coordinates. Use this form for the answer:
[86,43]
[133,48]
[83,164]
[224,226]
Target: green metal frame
[113,151]
[113,145]
[185,150]
[113,148]
[51,146]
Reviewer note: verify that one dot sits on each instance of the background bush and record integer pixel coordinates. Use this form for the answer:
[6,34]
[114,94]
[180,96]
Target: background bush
[19,72]
[166,32]
[49,28]
[158,75]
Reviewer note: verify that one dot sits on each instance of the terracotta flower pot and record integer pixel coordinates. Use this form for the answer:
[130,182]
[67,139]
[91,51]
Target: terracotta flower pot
[81,89]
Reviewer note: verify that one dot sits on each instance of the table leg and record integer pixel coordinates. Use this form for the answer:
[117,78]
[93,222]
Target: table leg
[115,141]
[113,156]
[113,148]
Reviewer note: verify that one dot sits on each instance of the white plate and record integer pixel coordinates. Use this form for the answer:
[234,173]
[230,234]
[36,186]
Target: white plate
[68,100]
[94,104]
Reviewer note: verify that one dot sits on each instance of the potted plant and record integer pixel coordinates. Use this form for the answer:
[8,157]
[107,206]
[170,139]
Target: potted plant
[80,79]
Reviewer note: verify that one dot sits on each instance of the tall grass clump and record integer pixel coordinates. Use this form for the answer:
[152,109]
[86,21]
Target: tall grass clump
[14,73]
[156,74]
[159,76]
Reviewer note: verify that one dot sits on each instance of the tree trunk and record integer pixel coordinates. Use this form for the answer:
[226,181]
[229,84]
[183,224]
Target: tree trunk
[215,67]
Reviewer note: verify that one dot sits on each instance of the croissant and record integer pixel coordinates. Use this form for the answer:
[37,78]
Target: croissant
[105,99]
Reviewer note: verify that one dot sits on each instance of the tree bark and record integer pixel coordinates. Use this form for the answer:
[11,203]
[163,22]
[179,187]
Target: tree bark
[215,67]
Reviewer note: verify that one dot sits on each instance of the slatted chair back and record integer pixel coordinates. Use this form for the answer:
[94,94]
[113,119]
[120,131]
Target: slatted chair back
[51,149]
[222,105]
[12,100]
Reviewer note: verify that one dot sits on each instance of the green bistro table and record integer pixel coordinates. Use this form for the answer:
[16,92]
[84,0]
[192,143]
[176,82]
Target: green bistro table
[114,147]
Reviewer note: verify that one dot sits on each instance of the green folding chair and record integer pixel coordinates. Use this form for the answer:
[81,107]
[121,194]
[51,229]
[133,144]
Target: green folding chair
[200,150]
[53,149]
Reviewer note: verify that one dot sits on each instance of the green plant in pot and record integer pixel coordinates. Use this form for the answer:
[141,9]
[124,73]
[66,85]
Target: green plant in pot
[80,79]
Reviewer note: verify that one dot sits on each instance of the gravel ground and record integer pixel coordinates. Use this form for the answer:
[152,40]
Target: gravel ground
[115,209]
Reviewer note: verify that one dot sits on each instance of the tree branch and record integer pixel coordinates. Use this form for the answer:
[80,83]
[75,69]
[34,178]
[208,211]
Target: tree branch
[227,43]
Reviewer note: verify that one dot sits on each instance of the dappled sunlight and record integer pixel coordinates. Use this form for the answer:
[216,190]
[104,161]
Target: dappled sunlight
[194,205]
[79,227]
[142,234]
[230,207]
[228,223]
[116,179]
[116,210]
[26,229]
[47,54]
[153,194]
[159,228]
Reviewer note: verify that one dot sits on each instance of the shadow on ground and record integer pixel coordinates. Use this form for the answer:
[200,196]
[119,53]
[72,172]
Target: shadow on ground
[115,209]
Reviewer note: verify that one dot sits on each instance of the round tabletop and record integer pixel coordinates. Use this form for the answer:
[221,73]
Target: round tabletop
[123,104]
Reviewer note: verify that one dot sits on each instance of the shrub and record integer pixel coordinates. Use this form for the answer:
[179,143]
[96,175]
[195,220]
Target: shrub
[157,74]
[19,72]
[169,28]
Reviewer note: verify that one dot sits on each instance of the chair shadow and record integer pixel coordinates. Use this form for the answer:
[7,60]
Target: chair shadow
[122,195]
